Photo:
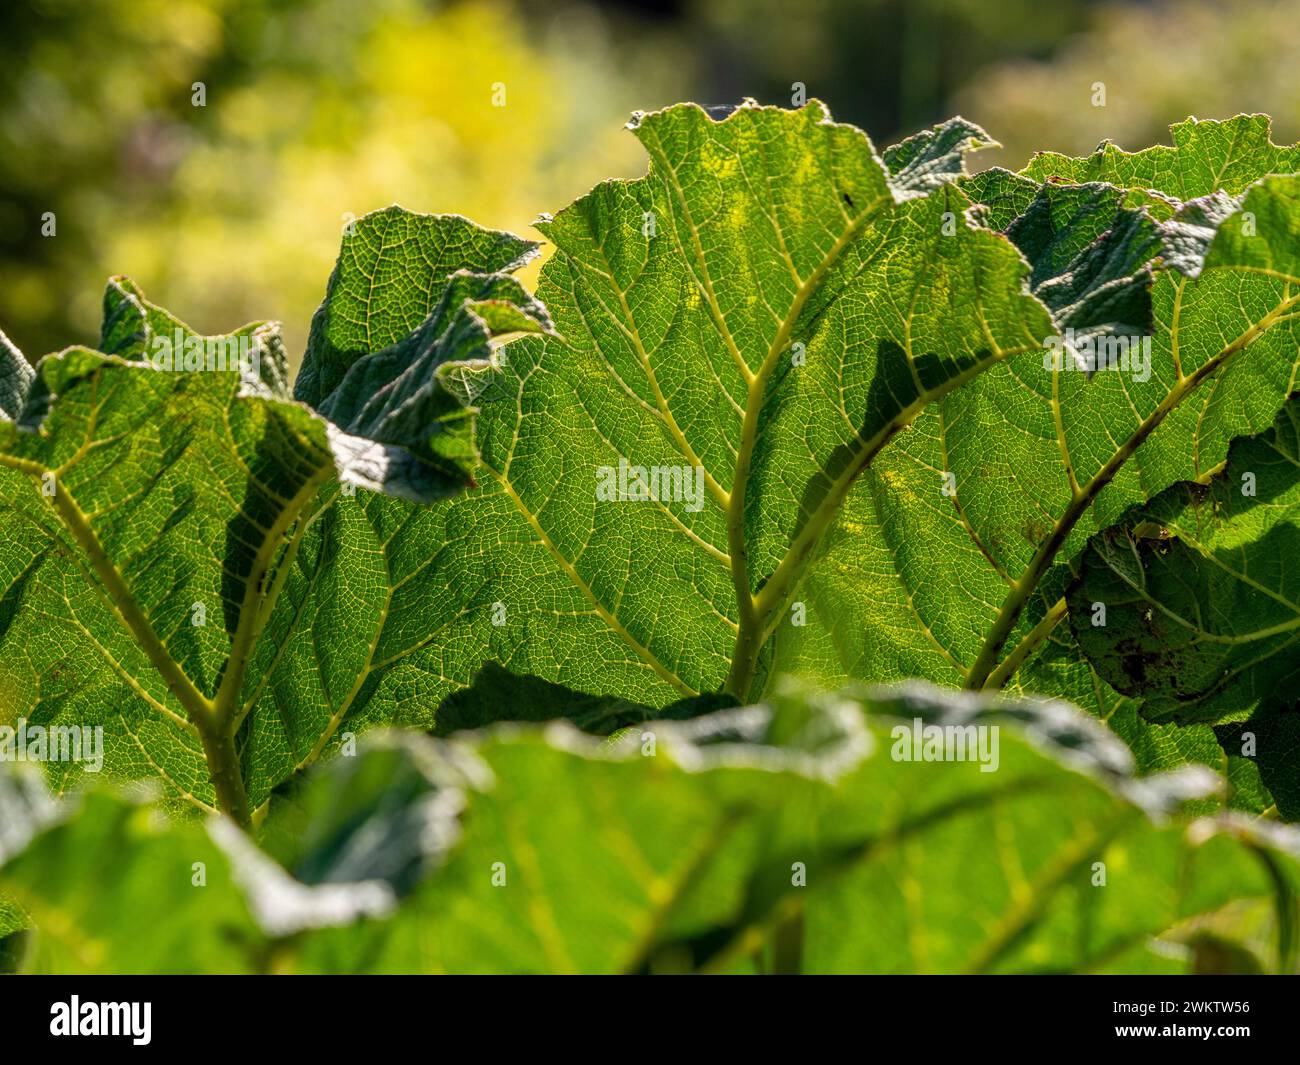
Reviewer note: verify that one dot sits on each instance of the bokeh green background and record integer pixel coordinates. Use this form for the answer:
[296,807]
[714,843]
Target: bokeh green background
[319,110]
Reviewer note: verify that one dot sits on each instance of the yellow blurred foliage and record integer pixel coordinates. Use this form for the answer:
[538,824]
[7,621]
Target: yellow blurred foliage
[1136,70]
[401,108]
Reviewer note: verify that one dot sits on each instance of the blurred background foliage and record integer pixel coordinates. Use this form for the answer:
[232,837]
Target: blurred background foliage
[318,110]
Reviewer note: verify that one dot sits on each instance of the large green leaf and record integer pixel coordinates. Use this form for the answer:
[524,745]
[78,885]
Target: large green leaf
[1206,157]
[964,586]
[141,520]
[1108,262]
[155,494]
[742,826]
[1006,437]
[756,316]
[776,837]
[114,887]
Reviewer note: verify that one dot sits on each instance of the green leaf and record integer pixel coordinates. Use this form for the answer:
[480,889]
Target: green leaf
[389,278]
[383,818]
[680,845]
[964,586]
[139,331]
[598,858]
[15,379]
[144,511]
[401,345]
[1202,606]
[1060,251]
[113,887]
[156,494]
[752,320]
[935,156]
[1111,283]
[1206,157]
[1092,257]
